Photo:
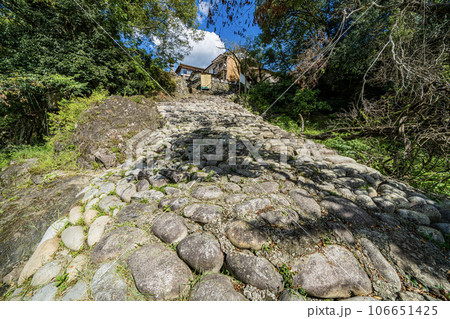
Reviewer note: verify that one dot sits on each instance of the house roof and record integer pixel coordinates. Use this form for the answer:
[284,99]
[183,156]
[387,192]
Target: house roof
[187,67]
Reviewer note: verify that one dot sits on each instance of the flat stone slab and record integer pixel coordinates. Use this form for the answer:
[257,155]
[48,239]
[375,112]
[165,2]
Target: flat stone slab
[75,214]
[381,264]
[107,285]
[76,266]
[347,210]
[202,252]
[147,195]
[435,234]
[262,188]
[46,293]
[305,202]
[215,287]
[280,218]
[41,256]
[174,204]
[432,212]
[77,292]
[170,228]
[159,273]
[231,187]
[206,192]
[107,203]
[235,198]
[203,213]
[117,242]
[256,271]
[89,216]
[46,273]
[414,217]
[97,229]
[134,212]
[333,273]
[244,235]
[252,205]
[410,255]
[73,237]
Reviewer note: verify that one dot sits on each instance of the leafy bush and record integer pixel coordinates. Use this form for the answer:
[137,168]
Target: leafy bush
[25,101]
[307,102]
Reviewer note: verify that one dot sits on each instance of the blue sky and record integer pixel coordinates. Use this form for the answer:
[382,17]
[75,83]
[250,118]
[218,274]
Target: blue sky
[216,36]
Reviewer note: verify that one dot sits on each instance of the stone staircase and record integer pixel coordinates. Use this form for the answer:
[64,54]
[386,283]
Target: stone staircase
[220,205]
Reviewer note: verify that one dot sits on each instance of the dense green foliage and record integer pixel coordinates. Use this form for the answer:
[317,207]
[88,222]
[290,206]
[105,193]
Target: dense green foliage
[61,125]
[54,49]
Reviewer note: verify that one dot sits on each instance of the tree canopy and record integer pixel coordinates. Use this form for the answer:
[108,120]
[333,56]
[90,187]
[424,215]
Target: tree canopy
[50,49]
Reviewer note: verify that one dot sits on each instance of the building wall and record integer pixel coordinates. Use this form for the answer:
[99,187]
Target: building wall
[232,69]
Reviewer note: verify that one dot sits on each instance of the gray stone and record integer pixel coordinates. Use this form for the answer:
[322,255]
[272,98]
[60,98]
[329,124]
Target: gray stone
[174,204]
[76,266]
[381,264]
[231,187]
[351,182]
[347,210]
[245,236]
[342,232]
[280,218]
[73,237]
[435,234]
[305,202]
[443,227]
[170,228]
[142,185]
[235,198]
[279,199]
[148,195]
[385,205]
[77,292]
[46,273]
[366,202]
[128,192]
[134,212]
[172,191]
[46,293]
[106,188]
[97,229]
[262,188]
[252,205]
[89,216]
[159,273]
[42,255]
[388,219]
[202,252]
[54,229]
[399,201]
[207,192]
[89,195]
[215,287]
[108,203]
[117,242]
[412,258]
[333,273]
[107,285]
[413,216]
[203,213]
[429,210]
[75,214]
[158,181]
[255,271]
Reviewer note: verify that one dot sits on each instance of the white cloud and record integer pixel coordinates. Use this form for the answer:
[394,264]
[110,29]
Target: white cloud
[204,51]
[203,11]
